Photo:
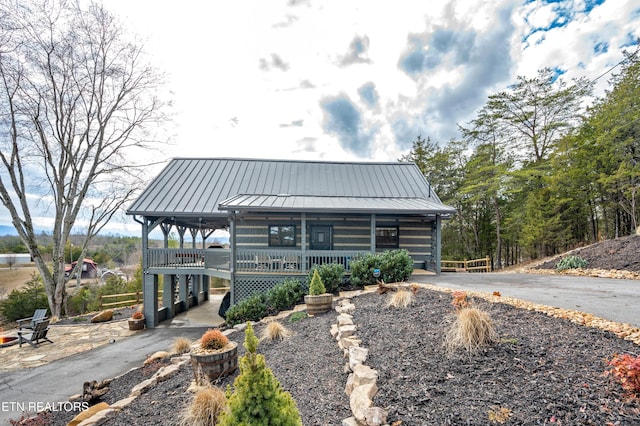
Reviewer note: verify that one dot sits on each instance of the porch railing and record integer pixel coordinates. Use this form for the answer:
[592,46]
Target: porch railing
[254,261]
[290,261]
[189,258]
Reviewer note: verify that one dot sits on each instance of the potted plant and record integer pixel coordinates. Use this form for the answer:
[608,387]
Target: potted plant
[216,356]
[318,301]
[136,322]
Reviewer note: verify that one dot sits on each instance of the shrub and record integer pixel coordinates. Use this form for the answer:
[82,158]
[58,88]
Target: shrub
[297,316]
[394,266]
[331,275]
[21,303]
[257,396]
[571,262]
[285,295]
[251,309]
[459,300]
[626,369]
[400,299]
[275,331]
[137,315]
[81,301]
[471,331]
[181,345]
[213,340]
[316,286]
[205,408]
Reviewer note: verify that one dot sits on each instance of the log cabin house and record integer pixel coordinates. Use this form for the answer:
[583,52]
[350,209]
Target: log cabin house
[283,217]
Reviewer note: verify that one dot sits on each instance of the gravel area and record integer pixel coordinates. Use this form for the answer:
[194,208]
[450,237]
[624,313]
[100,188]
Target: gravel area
[544,370]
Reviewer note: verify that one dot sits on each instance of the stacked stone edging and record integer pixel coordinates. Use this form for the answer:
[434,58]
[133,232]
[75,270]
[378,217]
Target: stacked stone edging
[110,411]
[361,384]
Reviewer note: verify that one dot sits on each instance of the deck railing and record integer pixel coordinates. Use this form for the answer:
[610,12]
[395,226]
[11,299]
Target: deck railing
[189,258]
[290,261]
[250,261]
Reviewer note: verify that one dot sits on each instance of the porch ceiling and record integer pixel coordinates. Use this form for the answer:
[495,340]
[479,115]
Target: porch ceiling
[195,221]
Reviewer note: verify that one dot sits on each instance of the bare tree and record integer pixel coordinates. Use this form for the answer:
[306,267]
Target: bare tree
[77,105]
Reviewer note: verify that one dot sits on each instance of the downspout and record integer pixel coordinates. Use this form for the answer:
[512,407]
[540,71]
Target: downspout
[145,243]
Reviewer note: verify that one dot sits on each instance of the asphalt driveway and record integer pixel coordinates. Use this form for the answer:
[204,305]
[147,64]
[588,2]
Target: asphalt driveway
[612,299]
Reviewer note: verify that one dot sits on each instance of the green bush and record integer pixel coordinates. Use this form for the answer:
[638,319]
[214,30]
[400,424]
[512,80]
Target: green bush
[87,299]
[81,302]
[258,398]
[281,297]
[331,275]
[297,316]
[252,309]
[285,295]
[21,303]
[394,266]
[571,262]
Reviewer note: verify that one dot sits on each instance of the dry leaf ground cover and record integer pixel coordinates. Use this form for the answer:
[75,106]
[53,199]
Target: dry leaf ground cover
[542,370]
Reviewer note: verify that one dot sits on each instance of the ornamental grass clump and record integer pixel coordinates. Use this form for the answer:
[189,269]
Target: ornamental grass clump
[472,330]
[275,331]
[571,262]
[213,340]
[181,345]
[257,397]
[400,299]
[207,404]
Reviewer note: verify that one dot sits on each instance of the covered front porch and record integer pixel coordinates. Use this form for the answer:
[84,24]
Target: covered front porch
[218,262]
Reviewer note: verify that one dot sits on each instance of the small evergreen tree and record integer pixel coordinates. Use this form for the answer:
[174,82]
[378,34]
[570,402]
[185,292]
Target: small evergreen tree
[257,398]
[316,286]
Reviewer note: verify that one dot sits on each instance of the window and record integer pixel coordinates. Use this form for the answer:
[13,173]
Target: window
[282,235]
[387,237]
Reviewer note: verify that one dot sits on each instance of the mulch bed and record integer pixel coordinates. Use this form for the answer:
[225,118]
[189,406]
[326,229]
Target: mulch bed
[620,254]
[544,370]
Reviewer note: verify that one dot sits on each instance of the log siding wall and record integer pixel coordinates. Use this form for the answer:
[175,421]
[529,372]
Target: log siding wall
[349,233]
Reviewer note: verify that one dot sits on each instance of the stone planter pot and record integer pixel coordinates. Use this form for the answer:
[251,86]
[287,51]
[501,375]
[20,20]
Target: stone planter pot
[214,364]
[136,324]
[318,304]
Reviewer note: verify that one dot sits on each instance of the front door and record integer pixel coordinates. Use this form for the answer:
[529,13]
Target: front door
[321,237]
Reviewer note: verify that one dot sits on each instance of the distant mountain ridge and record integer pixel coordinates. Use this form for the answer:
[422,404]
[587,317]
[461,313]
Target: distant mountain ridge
[8,230]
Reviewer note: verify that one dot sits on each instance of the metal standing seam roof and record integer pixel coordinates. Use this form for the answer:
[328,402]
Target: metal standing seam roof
[210,186]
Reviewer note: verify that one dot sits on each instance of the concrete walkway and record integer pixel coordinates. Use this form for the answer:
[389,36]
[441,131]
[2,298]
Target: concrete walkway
[29,378]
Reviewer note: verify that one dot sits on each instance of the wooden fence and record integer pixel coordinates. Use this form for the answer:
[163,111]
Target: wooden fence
[476,265]
[123,299]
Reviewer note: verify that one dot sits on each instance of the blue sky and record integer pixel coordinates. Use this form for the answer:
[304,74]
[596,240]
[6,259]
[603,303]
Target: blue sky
[359,79]
[356,80]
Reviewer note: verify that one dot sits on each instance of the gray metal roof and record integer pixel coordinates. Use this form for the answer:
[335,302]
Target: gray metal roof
[245,202]
[208,186]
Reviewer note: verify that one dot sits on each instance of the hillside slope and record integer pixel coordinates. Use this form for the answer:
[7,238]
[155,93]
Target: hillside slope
[622,254]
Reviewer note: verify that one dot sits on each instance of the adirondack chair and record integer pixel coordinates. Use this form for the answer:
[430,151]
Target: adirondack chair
[29,323]
[33,338]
